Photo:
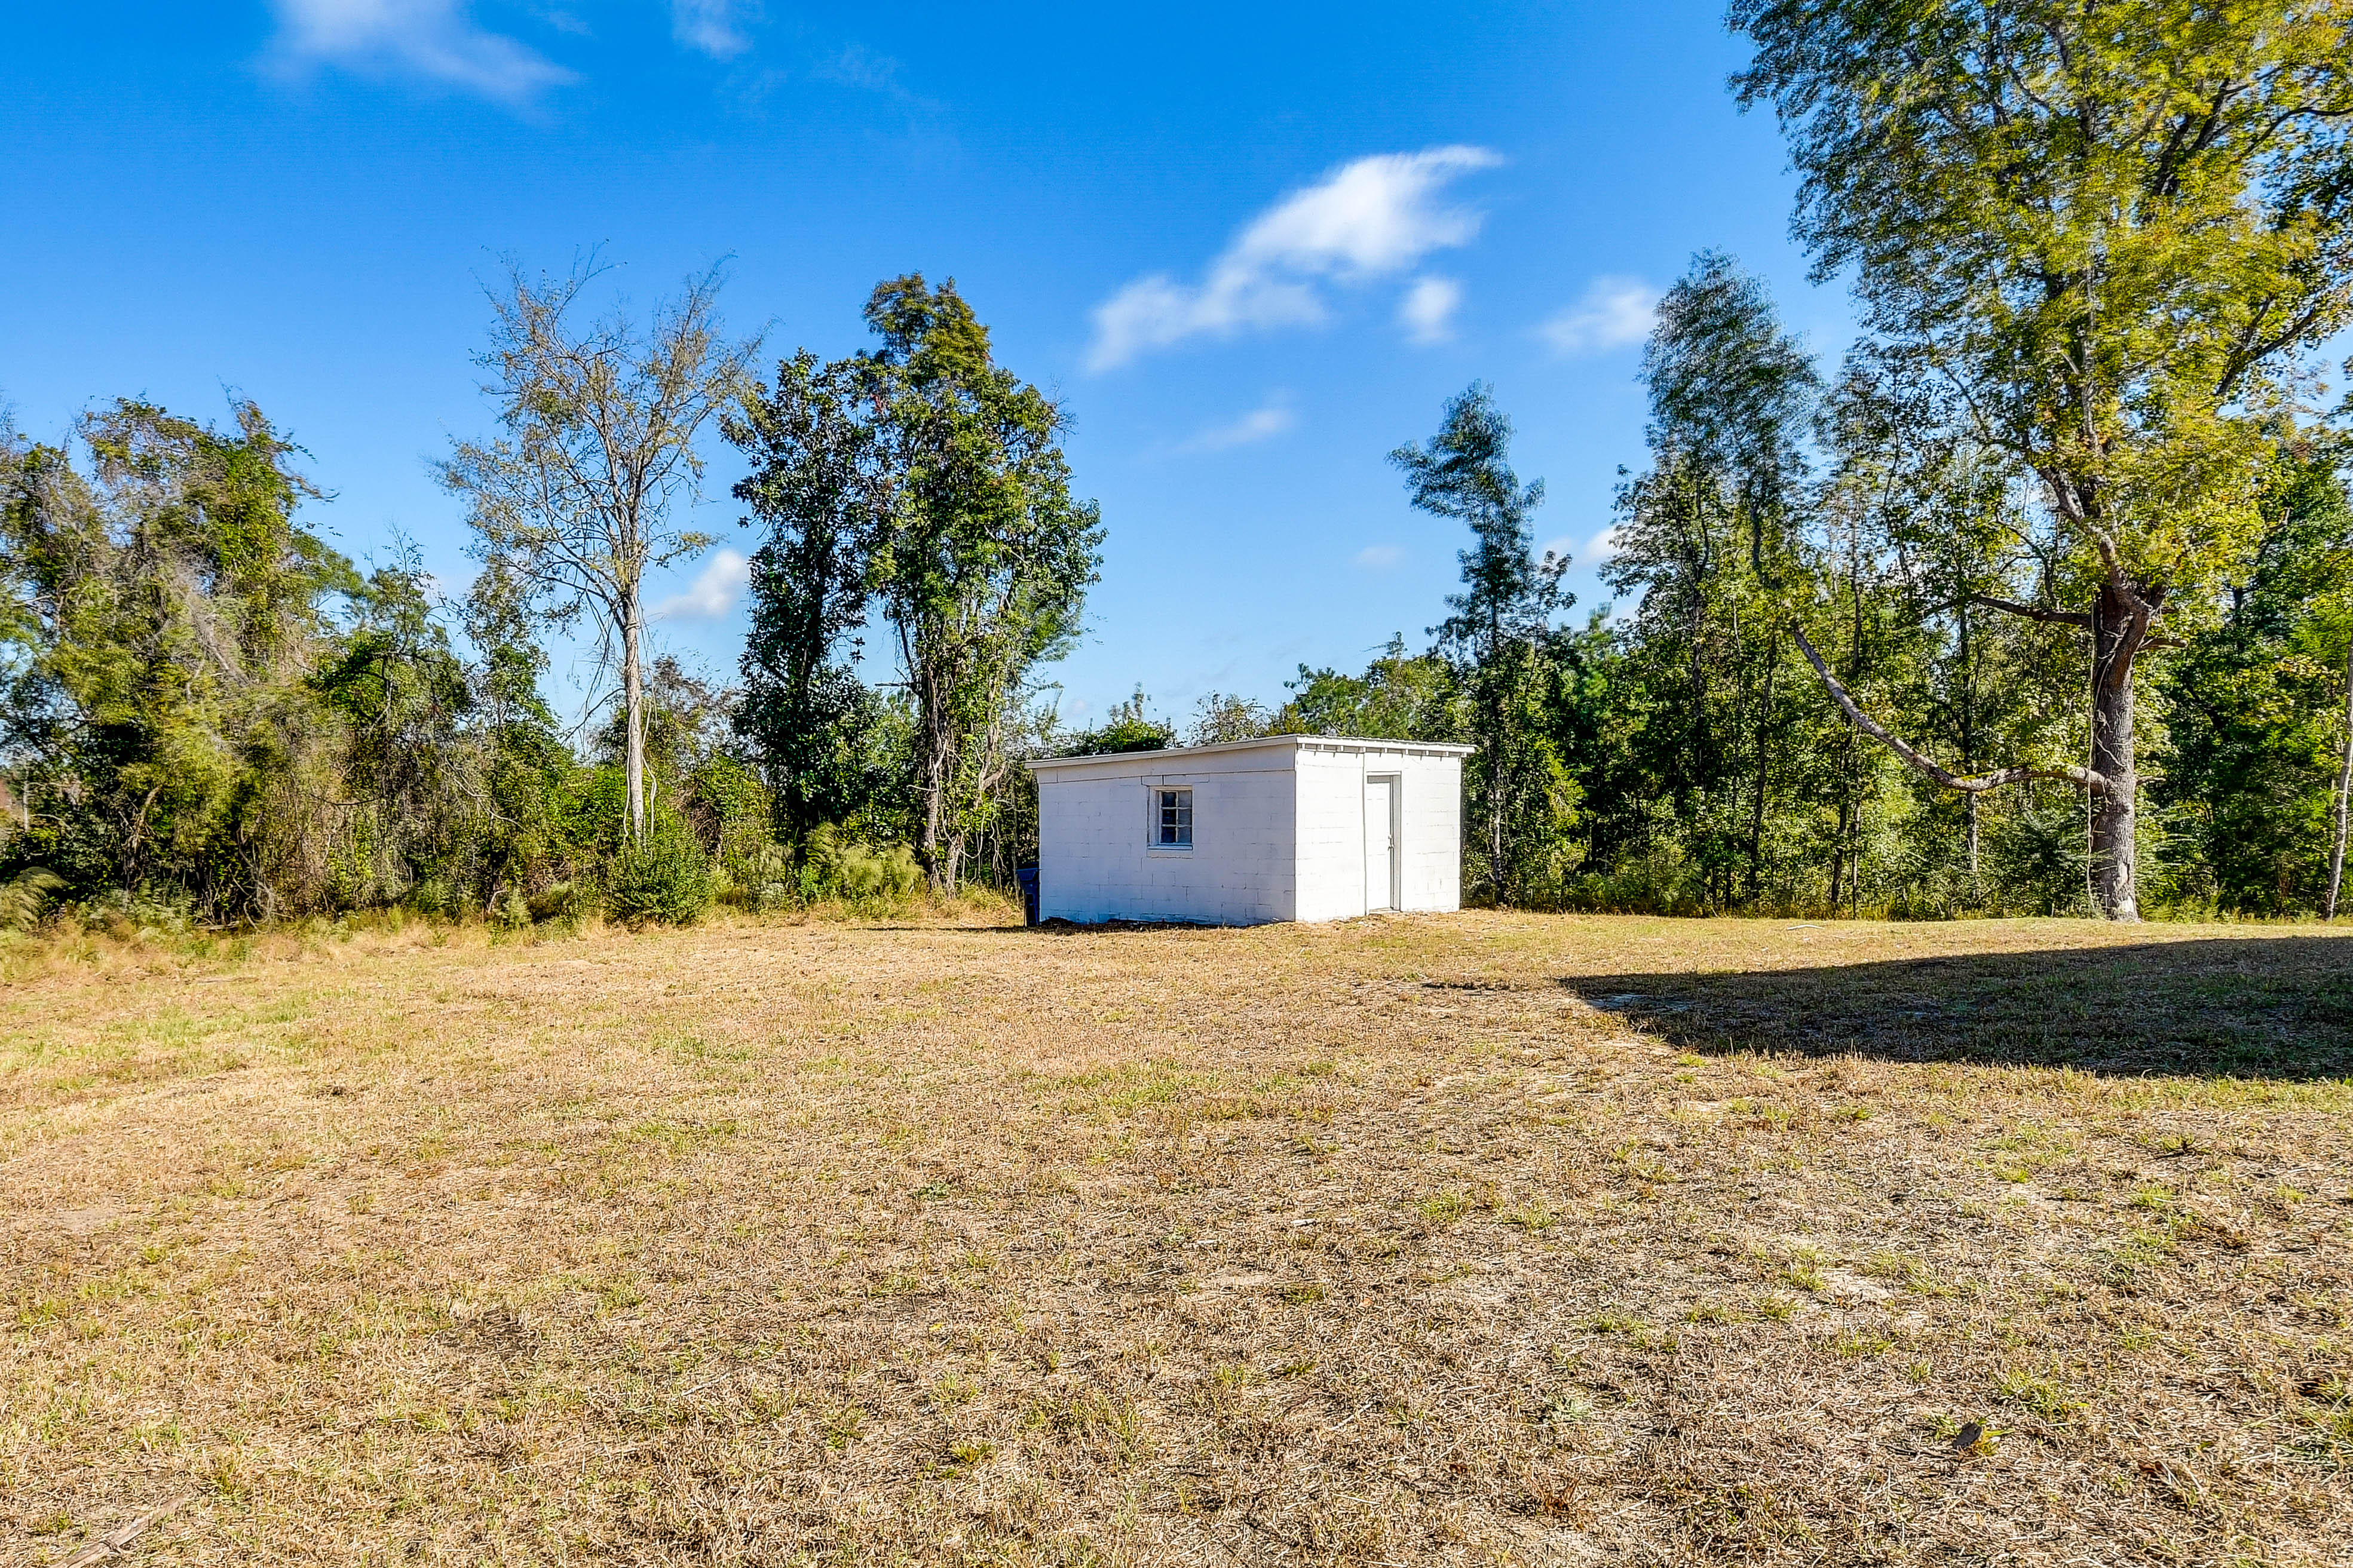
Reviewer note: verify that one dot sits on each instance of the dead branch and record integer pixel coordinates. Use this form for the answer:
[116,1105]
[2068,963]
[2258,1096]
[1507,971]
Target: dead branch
[1950,780]
[2033,613]
[116,1542]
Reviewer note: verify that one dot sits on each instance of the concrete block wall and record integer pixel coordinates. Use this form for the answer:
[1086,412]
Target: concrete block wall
[1331,835]
[1097,860]
[1429,874]
[1279,832]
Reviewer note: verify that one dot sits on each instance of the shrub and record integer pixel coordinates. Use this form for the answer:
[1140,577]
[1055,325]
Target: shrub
[557,902]
[758,877]
[839,868]
[435,898]
[665,881]
[24,896]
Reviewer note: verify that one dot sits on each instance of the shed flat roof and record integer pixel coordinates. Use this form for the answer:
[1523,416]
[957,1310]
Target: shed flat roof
[1263,743]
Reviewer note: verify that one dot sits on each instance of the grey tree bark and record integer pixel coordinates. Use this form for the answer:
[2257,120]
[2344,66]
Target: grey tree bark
[2344,798]
[2119,628]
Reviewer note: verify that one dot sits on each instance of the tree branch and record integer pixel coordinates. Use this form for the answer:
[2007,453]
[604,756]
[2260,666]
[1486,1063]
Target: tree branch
[1950,780]
[2032,613]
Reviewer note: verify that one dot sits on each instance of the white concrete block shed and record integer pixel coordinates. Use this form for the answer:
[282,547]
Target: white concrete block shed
[1288,827]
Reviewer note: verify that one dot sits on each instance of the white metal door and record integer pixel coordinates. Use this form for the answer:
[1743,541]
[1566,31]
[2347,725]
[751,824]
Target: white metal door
[1380,843]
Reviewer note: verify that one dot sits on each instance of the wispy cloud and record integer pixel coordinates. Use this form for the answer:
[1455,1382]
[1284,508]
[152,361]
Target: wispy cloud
[856,65]
[715,27]
[1428,310]
[714,592]
[1609,314]
[436,40]
[1367,220]
[1261,424]
[1379,557]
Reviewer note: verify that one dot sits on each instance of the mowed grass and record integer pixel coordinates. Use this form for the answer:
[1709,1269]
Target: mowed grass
[1487,1238]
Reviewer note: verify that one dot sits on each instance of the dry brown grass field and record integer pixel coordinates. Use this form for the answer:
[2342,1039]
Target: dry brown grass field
[1477,1239]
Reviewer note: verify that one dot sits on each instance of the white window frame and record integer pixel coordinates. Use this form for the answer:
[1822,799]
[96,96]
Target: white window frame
[1152,809]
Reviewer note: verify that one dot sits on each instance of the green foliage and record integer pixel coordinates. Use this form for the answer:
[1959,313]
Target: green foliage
[838,867]
[572,503]
[819,484]
[981,565]
[2119,235]
[1220,718]
[664,878]
[925,482]
[1126,728]
[26,896]
[2256,717]
[1500,642]
[1400,697]
[166,615]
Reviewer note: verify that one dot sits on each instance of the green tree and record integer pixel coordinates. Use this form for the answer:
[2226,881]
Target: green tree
[982,557]
[1498,639]
[2255,713]
[165,612]
[818,487]
[1126,728]
[1220,718]
[576,499]
[519,844]
[1400,697]
[1708,545]
[2118,230]
[410,764]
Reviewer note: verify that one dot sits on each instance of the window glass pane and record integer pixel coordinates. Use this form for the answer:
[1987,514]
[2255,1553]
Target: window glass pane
[1172,827]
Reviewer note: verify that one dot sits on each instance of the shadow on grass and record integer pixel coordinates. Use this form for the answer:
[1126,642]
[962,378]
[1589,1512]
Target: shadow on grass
[2254,1007]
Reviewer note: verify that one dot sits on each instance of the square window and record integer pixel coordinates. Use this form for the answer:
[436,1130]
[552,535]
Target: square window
[1172,823]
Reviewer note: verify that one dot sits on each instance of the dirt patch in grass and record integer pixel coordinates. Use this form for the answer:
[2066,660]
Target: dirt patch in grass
[1484,1238]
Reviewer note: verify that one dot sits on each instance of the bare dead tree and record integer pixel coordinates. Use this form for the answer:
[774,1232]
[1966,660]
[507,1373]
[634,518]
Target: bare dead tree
[576,496]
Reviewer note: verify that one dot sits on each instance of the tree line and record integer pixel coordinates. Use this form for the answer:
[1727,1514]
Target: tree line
[212,715]
[2038,599]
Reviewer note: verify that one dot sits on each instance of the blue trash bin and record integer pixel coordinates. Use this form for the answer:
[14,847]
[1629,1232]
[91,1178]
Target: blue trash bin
[1027,877]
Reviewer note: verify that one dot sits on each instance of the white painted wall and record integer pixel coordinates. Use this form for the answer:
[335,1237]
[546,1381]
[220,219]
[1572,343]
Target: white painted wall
[1095,858]
[1331,868]
[1278,831]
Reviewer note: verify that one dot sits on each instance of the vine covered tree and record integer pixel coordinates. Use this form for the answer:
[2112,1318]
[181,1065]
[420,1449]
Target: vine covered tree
[165,610]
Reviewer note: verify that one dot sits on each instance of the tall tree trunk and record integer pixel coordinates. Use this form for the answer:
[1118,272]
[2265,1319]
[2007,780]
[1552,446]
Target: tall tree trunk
[2343,796]
[2118,625]
[633,701]
[1756,811]
[938,769]
[1969,752]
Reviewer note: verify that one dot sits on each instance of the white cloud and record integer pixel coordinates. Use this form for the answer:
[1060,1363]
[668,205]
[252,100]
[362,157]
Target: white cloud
[1369,219]
[1259,424]
[1428,310]
[1379,557]
[1609,314]
[713,27]
[1601,546]
[436,40]
[714,592]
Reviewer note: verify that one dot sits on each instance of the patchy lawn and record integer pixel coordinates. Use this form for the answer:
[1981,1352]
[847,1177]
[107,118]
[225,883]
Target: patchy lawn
[1469,1239]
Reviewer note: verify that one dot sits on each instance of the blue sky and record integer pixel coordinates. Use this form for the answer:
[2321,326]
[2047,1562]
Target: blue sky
[1252,248]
